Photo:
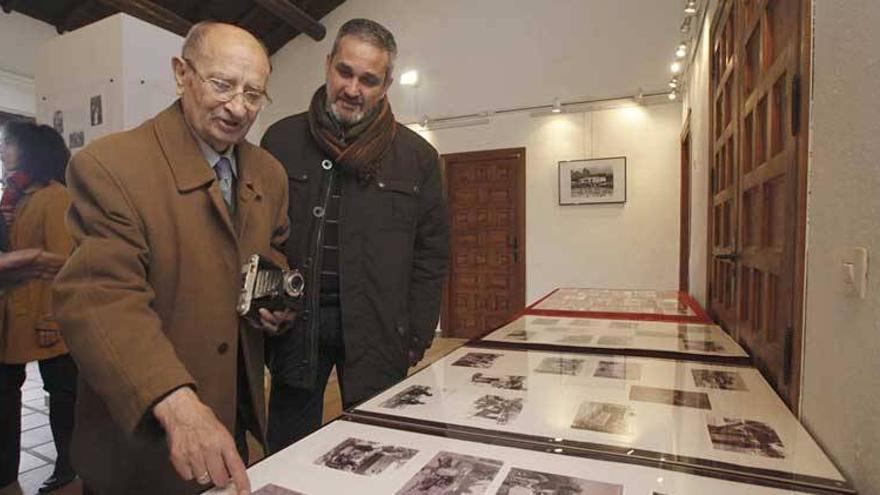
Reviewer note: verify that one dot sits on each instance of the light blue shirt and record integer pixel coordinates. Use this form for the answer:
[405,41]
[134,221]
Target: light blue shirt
[212,156]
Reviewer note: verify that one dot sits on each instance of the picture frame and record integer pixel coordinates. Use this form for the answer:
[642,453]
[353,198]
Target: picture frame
[592,181]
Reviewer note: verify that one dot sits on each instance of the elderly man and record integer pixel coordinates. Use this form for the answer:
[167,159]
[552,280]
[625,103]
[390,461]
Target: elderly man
[369,225]
[163,217]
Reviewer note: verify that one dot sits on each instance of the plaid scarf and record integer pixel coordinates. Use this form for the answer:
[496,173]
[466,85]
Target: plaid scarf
[369,139]
[16,182]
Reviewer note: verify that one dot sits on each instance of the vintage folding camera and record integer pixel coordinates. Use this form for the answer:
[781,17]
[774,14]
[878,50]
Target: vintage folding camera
[267,285]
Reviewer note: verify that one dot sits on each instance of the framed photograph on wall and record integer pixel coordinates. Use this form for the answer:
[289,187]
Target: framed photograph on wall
[599,180]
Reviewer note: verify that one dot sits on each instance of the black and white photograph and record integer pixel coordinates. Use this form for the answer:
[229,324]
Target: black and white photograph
[77,140]
[580,322]
[615,340]
[58,121]
[672,397]
[273,489]
[96,110]
[414,395]
[604,417]
[477,360]
[527,482]
[601,180]
[500,410]
[655,333]
[576,339]
[560,366]
[365,457]
[523,335]
[545,321]
[506,382]
[624,325]
[745,436]
[450,473]
[700,345]
[721,380]
[619,370]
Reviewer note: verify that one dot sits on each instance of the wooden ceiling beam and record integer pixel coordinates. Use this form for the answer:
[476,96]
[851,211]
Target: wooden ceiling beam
[295,17]
[152,13]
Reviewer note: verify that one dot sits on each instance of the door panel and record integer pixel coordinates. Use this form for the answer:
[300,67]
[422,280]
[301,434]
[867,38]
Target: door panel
[486,193]
[755,185]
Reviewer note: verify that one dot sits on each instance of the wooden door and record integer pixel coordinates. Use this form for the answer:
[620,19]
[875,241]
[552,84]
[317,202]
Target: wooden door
[486,194]
[757,171]
[684,258]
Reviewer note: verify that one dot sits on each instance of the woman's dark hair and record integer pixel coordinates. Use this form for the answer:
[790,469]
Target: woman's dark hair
[42,153]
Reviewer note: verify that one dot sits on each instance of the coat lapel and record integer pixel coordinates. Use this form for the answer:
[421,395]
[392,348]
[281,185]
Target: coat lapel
[188,166]
[249,190]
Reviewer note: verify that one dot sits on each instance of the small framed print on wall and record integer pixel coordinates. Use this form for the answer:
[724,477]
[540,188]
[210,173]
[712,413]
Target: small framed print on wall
[600,180]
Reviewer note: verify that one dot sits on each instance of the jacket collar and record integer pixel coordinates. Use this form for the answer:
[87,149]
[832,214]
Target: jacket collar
[188,165]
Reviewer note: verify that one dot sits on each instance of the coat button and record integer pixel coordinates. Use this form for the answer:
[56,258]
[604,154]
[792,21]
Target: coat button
[381,185]
[327,164]
[222,348]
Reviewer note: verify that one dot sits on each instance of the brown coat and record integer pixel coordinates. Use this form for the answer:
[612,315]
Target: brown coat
[39,223]
[147,299]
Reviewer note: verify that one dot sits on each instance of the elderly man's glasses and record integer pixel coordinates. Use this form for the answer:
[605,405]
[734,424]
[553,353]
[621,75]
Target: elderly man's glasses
[225,91]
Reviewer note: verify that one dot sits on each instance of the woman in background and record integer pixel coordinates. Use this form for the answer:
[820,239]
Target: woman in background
[32,209]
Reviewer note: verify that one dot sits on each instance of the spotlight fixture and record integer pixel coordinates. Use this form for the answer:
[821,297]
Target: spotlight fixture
[409,78]
[673,95]
[675,68]
[691,7]
[424,122]
[640,96]
[673,83]
[557,106]
[681,50]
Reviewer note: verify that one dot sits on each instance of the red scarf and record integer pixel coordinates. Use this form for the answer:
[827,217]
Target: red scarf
[16,183]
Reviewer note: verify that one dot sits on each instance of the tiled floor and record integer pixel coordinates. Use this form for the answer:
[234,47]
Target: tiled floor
[37,448]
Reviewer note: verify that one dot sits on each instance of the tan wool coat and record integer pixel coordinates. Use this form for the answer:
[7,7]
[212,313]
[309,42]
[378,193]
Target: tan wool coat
[39,223]
[147,299]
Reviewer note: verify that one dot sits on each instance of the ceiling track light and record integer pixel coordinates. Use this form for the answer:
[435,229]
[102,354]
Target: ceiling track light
[673,95]
[691,7]
[557,106]
[681,50]
[675,67]
[673,83]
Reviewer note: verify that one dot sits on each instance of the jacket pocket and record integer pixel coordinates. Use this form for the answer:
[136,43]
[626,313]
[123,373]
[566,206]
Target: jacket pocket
[401,198]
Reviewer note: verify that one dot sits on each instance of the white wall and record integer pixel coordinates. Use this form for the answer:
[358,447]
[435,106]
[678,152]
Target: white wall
[490,54]
[695,100]
[21,38]
[125,61]
[841,384]
[633,245]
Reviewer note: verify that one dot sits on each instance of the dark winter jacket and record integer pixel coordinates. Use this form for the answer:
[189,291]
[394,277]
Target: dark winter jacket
[393,238]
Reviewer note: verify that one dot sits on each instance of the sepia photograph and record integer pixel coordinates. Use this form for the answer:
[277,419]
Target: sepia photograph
[477,360]
[615,340]
[600,180]
[619,370]
[521,335]
[745,436]
[576,339]
[625,325]
[680,398]
[722,380]
[581,323]
[501,410]
[605,418]
[414,395]
[545,321]
[365,457]
[700,345]
[560,366]
[527,482]
[449,473]
[507,382]
[272,489]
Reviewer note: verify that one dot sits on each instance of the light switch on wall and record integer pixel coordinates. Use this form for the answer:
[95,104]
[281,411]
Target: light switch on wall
[854,264]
